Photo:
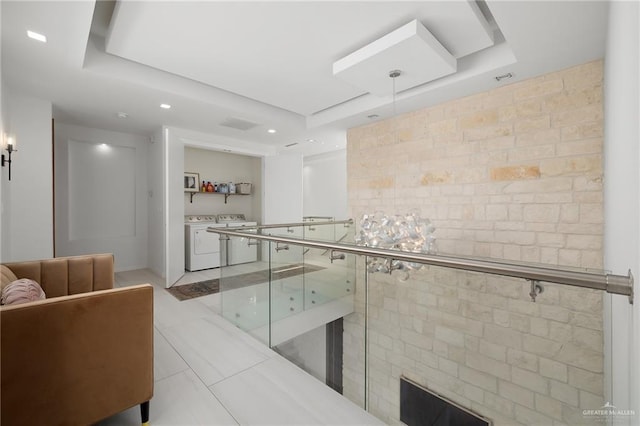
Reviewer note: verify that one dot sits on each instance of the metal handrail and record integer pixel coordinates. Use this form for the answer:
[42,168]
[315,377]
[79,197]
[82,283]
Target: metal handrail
[293,225]
[611,283]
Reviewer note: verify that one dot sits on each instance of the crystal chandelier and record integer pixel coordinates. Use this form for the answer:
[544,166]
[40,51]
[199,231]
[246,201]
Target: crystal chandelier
[408,233]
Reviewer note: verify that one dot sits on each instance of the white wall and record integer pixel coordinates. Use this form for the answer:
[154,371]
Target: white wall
[224,167]
[3,120]
[173,147]
[325,185]
[27,200]
[282,189]
[101,194]
[622,203]
[155,205]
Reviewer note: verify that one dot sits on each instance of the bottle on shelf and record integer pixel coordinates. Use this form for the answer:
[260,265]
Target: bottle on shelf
[209,187]
[204,187]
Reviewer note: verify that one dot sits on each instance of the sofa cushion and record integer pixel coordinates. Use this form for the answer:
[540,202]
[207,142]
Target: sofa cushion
[6,276]
[21,291]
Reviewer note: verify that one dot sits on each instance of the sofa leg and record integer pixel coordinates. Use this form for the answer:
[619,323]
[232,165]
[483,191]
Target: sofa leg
[144,413]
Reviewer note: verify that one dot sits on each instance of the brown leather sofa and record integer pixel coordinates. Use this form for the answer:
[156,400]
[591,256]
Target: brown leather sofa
[82,354]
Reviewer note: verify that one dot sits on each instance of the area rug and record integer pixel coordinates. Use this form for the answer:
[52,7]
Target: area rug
[204,288]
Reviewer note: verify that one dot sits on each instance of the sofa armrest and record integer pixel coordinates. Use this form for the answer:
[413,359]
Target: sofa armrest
[76,359]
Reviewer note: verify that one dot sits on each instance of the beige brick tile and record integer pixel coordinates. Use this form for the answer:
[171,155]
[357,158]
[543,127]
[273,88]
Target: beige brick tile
[491,350]
[522,359]
[588,114]
[532,124]
[560,332]
[586,380]
[503,336]
[589,401]
[519,323]
[563,392]
[478,119]
[487,365]
[543,136]
[580,357]
[530,417]
[553,369]
[478,378]
[541,213]
[473,393]
[591,213]
[573,98]
[588,338]
[488,132]
[549,406]
[538,89]
[582,131]
[582,301]
[549,255]
[515,393]
[539,326]
[501,405]
[448,366]
[587,320]
[436,177]
[450,336]
[530,380]
[475,311]
[541,346]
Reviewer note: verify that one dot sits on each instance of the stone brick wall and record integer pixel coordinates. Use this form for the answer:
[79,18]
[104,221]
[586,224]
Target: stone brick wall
[514,173]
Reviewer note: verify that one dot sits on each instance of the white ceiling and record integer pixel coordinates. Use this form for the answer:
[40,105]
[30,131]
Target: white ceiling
[270,63]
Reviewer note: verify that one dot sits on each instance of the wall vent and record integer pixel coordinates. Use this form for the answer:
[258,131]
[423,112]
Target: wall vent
[239,123]
[422,407]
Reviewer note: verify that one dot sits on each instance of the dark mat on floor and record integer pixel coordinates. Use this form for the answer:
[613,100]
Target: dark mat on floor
[204,288]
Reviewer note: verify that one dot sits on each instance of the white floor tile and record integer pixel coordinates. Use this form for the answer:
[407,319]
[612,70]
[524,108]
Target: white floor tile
[212,351]
[166,361]
[182,399]
[278,392]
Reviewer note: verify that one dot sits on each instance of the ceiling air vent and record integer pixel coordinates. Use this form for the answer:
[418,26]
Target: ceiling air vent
[239,123]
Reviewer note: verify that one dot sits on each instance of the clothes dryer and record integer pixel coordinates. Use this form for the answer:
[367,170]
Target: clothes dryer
[239,250]
[202,248]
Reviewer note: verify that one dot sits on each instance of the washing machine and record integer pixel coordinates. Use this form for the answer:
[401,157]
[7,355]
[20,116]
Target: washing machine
[202,249]
[238,250]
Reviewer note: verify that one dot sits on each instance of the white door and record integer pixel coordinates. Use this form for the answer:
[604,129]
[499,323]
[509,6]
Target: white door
[174,221]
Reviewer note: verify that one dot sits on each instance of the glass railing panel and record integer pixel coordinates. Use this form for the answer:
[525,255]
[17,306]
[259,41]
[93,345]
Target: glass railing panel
[286,263]
[244,290]
[481,342]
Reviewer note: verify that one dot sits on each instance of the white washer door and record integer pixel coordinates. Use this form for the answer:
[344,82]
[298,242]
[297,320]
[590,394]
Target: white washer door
[206,242]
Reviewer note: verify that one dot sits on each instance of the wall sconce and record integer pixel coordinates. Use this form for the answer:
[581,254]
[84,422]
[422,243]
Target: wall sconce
[10,145]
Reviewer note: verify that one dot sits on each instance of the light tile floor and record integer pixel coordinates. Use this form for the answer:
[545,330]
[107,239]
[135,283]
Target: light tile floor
[208,372]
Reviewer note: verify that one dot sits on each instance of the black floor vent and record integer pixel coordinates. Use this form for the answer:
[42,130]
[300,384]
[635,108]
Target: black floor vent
[421,407]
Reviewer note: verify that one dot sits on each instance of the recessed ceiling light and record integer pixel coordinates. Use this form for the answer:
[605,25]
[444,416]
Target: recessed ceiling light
[311,140]
[271,130]
[37,36]
[122,114]
[165,106]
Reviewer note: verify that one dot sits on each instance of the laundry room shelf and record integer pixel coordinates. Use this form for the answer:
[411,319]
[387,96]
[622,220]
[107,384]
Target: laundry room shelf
[226,195]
